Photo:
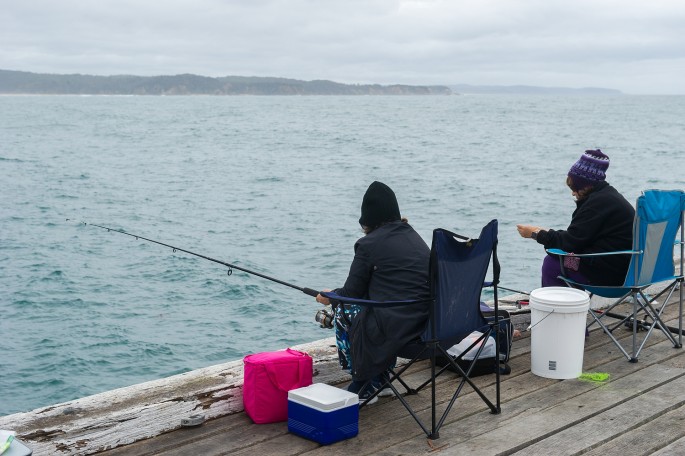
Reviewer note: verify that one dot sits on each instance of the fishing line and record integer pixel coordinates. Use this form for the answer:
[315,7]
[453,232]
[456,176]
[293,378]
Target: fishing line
[307,291]
[514,291]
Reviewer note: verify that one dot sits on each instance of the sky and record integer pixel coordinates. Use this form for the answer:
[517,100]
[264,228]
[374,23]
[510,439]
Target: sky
[635,46]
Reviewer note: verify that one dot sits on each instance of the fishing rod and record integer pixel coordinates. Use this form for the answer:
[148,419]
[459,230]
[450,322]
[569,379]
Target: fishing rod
[514,291]
[307,291]
[642,324]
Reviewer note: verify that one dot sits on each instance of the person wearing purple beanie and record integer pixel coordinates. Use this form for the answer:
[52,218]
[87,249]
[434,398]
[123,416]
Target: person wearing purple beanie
[601,222]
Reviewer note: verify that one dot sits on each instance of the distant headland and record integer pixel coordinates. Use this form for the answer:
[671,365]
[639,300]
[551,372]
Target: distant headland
[27,83]
[530,90]
[20,82]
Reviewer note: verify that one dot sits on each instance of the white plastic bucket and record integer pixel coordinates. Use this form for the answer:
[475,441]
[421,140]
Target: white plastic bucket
[557,319]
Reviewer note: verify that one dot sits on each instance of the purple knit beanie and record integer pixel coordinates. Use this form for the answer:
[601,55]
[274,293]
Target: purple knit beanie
[590,169]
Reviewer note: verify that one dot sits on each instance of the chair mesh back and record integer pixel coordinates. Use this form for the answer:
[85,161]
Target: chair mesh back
[458,270]
[657,218]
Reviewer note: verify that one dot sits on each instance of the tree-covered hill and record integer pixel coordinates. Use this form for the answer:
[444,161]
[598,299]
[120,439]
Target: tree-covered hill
[20,82]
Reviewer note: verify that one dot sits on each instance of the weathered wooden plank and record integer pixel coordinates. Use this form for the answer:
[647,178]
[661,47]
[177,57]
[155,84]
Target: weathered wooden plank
[546,421]
[658,412]
[283,441]
[651,435]
[267,436]
[520,364]
[676,448]
[533,394]
[393,411]
[138,412]
[142,411]
[167,442]
[510,386]
[401,426]
[422,374]
[225,433]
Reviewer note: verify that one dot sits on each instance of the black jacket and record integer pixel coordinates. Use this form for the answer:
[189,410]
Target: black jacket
[390,264]
[602,222]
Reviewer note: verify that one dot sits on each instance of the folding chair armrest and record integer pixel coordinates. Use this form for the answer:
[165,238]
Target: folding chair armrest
[369,303]
[581,255]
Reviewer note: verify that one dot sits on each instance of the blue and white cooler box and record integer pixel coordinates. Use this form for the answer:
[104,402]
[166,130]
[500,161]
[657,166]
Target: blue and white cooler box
[323,413]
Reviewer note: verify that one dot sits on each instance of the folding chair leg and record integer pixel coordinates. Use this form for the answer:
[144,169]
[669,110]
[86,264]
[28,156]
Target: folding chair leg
[680,307]
[652,320]
[608,332]
[433,432]
[656,317]
[393,376]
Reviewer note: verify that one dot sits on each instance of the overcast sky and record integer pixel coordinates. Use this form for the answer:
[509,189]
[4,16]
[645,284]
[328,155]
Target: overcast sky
[630,45]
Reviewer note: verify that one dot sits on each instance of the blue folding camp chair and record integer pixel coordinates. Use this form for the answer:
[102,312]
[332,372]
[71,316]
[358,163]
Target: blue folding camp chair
[658,219]
[458,268]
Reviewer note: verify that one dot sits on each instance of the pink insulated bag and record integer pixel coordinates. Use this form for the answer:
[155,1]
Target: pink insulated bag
[267,379]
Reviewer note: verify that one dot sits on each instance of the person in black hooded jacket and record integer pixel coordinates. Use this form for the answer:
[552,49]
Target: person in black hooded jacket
[602,222]
[390,264]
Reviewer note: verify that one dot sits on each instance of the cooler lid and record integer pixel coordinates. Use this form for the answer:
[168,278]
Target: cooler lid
[323,397]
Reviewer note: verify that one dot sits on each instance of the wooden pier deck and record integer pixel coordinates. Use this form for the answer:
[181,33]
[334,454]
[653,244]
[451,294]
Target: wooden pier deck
[639,411]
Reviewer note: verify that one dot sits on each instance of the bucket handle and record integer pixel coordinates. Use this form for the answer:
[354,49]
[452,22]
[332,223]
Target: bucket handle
[531,326]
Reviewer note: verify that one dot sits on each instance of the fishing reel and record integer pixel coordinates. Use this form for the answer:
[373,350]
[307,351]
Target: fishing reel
[325,318]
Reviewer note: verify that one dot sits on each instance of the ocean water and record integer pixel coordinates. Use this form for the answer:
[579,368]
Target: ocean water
[272,184]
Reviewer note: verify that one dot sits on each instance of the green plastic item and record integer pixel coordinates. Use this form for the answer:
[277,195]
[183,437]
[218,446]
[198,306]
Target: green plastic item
[598,377]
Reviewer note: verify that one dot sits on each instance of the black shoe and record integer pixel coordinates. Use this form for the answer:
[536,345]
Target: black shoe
[379,381]
[366,393]
[386,392]
[356,387]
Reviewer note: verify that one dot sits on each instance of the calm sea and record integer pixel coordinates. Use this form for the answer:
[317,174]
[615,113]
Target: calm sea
[272,184]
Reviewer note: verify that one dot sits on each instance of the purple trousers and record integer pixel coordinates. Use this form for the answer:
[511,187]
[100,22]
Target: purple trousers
[551,269]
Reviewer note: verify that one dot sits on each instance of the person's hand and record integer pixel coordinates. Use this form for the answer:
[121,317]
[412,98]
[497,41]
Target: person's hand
[527,230]
[322,299]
